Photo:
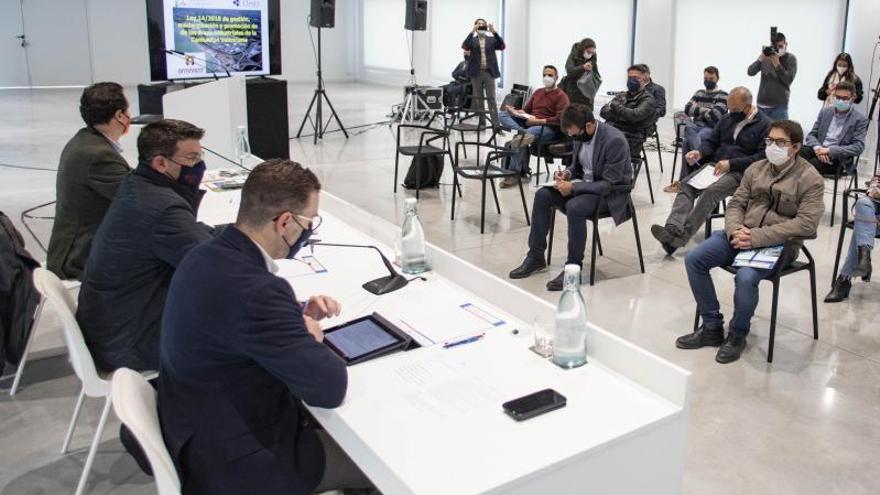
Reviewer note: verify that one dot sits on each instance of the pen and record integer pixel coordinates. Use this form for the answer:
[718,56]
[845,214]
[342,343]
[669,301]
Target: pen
[463,341]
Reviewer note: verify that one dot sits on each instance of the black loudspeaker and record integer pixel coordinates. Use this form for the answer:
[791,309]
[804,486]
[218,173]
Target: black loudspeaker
[416,15]
[323,13]
[268,127]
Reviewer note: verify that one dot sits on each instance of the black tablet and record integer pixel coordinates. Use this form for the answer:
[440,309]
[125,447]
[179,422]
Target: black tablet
[366,338]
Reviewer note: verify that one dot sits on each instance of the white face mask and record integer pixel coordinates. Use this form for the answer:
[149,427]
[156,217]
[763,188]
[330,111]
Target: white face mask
[588,55]
[781,51]
[777,155]
[549,82]
[841,69]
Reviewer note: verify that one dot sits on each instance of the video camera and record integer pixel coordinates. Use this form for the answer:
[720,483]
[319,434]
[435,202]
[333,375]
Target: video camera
[771,50]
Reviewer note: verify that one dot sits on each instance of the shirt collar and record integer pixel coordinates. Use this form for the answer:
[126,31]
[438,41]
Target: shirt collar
[115,144]
[270,263]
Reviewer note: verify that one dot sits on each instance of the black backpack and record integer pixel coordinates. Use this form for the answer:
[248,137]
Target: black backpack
[18,296]
[429,168]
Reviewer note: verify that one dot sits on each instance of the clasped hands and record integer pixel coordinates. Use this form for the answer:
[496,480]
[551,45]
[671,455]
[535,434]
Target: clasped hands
[563,182]
[741,238]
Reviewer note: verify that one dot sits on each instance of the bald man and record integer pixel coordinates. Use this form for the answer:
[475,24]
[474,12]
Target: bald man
[737,141]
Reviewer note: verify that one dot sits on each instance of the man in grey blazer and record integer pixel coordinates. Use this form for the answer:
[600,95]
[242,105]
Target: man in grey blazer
[90,170]
[600,160]
[838,136]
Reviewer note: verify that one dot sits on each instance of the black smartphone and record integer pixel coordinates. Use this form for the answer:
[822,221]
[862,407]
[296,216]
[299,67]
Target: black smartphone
[534,404]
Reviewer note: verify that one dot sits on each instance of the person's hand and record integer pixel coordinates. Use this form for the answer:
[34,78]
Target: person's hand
[722,167]
[534,122]
[693,156]
[491,28]
[774,59]
[742,238]
[320,307]
[562,175]
[314,329]
[588,66]
[564,187]
[832,88]
[824,158]
[822,151]
[761,56]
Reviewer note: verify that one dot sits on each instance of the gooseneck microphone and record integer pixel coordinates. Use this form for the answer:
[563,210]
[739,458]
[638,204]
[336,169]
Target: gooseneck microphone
[379,286]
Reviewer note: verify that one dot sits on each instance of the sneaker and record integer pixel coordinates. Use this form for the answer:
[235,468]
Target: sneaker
[509,182]
[521,140]
[703,337]
[665,238]
[557,283]
[674,188]
[527,268]
[731,349]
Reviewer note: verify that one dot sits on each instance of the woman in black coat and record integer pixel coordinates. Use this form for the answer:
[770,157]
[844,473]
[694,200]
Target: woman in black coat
[582,78]
[842,70]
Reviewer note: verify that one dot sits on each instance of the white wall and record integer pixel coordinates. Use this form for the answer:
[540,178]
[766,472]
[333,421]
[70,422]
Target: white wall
[861,39]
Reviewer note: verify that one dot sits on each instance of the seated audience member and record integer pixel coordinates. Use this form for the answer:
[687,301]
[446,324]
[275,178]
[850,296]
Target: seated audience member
[780,199]
[543,108]
[841,71]
[705,109]
[838,136]
[582,78]
[148,229]
[736,142]
[239,353]
[777,73]
[454,93]
[866,227]
[599,160]
[90,171]
[657,91]
[633,111]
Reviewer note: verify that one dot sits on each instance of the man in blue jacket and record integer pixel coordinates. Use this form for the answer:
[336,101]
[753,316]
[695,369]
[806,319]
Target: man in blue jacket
[239,353]
[838,136]
[600,160]
[479,47]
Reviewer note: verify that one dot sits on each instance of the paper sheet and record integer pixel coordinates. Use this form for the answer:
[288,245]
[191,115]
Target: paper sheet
[705,178]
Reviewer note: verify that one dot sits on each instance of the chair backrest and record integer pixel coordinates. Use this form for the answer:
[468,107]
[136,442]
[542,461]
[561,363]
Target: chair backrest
[52,288]
[134,401]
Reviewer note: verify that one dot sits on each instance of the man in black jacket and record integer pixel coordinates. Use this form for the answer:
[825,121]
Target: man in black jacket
[633,112]
[656,90]
[737,141]
[90,171]
[239,353]
[148,229]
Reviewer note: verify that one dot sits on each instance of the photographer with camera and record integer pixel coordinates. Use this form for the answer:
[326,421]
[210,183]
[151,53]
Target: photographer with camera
[778,68]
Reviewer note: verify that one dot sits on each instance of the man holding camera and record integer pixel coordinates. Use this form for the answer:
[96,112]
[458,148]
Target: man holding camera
[778,68]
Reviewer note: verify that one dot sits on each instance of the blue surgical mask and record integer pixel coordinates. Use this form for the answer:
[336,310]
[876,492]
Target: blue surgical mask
[300,242]
[709,84]
[633,84]
[842,106]
[192,176]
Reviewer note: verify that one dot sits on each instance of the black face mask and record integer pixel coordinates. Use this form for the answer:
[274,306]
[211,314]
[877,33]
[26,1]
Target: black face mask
[192,176]
[737,116]
[300,242]
[583,137]
[482,28]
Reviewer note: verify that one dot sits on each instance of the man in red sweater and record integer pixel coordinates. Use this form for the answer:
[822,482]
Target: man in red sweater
[531,122]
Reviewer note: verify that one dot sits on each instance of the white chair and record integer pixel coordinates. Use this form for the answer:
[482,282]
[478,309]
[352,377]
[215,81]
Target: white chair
[51,288]
[70,286]
[134,401]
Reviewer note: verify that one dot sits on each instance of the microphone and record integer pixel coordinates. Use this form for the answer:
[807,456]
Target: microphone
[382,285]
[202,63]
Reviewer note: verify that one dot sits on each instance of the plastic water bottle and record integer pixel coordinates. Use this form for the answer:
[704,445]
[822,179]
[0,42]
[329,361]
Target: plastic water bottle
[242,145]
[412,241]
[570,336]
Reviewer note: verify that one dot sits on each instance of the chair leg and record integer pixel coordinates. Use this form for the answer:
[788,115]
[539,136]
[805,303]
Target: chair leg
[638,237]
[522,195]
[648,176]
[773,310]
[396,166]
[815,302]
[463,148]
[843,222]
[593,252]
[483,208]
[80,487]
[418,179]
[27,346]
[73,419]
[599,243]
[495,195]
[834,200]
[674,162]
[659,152]
[550,241]
[454,186]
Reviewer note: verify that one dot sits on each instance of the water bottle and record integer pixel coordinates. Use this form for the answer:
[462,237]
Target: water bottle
[242,145]
[412,241]
[570,335]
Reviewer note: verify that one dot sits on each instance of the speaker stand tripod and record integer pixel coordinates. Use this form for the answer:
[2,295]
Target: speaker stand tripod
[317,103]
[414,101]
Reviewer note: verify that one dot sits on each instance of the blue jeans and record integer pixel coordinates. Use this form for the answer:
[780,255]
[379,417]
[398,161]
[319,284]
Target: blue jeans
[543,135]
[694,134]
[775,113]
[864,231]
[714,252]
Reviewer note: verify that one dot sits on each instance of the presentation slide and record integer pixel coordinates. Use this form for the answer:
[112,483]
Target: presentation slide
[215,36]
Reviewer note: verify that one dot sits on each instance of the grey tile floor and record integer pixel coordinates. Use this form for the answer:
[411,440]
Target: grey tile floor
[807,424]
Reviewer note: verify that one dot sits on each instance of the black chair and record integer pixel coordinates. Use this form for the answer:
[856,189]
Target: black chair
[597,243]
[717,213]
[424,148]
[846,168]
[462,119]
[795,267]
[647,173]
[845,224]
[488,172]
[679,139]
[656,135]
[541,151]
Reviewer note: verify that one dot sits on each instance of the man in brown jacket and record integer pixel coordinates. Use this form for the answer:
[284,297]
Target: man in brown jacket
[779,199]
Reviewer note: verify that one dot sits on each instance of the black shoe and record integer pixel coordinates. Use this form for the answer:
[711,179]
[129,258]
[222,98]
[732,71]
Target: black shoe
[665,237]
[527,268]
[863,267]
[731,349]
[557,284]
[839,290]
[703,337]
[135,450]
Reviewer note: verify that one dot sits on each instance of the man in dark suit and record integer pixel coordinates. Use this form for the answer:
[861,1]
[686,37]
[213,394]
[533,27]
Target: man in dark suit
[90,171]
[239,353]
[600,160]
[479,47]
[838,136]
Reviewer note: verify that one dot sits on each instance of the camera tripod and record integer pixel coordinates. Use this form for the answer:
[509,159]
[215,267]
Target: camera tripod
[320,97]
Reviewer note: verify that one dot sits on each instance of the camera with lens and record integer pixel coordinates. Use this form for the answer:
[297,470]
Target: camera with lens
[770,50]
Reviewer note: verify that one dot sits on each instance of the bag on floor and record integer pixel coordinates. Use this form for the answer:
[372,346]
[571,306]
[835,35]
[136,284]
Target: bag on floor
[429,167]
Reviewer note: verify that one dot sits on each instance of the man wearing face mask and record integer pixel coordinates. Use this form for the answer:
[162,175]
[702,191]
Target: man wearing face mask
[480,47]
[600,160]
[633,111]
[780,199]
[656,90]
[736,142]
[90,170]
[535,121]
[838,136]
[777,73]
[705,109]
[239,353]
[148,229]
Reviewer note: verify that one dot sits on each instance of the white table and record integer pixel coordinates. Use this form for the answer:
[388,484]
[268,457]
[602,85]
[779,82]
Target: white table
[429,421]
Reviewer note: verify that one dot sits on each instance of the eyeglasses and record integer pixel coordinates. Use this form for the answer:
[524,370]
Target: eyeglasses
[843,98]
[312,222]
[192,158]
[779,142]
